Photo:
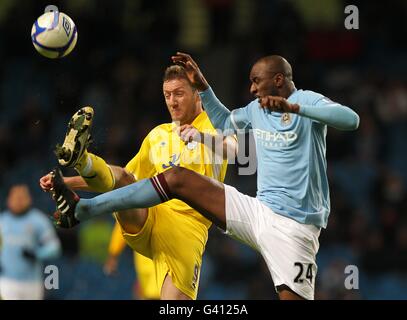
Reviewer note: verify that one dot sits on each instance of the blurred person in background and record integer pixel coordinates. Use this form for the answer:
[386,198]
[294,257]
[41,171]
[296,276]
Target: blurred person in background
[146,287]
[28,239]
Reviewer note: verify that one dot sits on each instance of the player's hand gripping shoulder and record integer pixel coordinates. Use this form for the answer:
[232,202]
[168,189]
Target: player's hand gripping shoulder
[191,67]
[225,146]
[278,104]
[189,133]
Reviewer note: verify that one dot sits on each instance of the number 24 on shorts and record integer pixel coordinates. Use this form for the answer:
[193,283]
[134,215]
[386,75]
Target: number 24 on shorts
[308,273]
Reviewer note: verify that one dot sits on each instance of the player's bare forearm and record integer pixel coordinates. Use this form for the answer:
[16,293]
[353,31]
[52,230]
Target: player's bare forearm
[77,183]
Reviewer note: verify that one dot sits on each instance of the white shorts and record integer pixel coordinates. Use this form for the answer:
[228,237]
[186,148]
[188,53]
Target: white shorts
[11,289]
[288,247]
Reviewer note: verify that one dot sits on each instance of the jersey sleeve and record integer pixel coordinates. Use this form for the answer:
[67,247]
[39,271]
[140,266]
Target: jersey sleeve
[241,118]
[328,112]
[221,117]
[141,165]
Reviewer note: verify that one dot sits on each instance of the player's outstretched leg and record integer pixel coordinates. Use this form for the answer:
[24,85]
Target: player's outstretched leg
[142,194]
[77,138]
[202,193]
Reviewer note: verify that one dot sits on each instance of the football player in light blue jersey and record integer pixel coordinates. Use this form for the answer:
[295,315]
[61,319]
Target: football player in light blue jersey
[290,139]
[28,238]
[292,205]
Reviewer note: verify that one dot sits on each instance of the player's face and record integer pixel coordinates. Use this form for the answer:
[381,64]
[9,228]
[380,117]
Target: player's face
[263,82]
[182,100]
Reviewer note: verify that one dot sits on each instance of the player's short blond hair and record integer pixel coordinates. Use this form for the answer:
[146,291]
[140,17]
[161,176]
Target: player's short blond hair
[176,72]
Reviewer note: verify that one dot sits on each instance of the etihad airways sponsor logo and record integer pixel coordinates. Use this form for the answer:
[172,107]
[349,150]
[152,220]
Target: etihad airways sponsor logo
[275,139]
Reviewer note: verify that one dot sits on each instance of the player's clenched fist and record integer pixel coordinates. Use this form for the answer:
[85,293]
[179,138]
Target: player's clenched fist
[278,104]
[188,133]
[46,182]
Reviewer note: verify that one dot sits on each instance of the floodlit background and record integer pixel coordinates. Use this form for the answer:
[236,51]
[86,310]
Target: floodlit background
[123,48]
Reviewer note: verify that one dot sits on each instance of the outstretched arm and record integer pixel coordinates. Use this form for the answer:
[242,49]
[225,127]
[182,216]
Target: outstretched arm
[324,110]
[77,183]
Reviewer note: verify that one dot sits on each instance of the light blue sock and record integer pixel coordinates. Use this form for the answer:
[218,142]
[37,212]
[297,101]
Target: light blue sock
[141,194]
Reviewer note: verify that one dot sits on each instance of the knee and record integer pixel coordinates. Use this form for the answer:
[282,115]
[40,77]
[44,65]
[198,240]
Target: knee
[123,178]
[176,178]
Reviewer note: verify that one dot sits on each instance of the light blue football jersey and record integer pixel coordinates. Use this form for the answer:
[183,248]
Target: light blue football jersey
[291,150]
[32,231]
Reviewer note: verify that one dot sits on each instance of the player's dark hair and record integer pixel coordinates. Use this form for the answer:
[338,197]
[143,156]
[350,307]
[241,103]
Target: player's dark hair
[176,72]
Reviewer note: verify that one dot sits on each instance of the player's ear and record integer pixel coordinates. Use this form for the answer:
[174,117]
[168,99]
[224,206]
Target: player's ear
[197,96]
[279,80]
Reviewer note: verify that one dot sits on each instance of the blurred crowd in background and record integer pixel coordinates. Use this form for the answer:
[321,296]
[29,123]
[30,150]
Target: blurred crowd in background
[123,48]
